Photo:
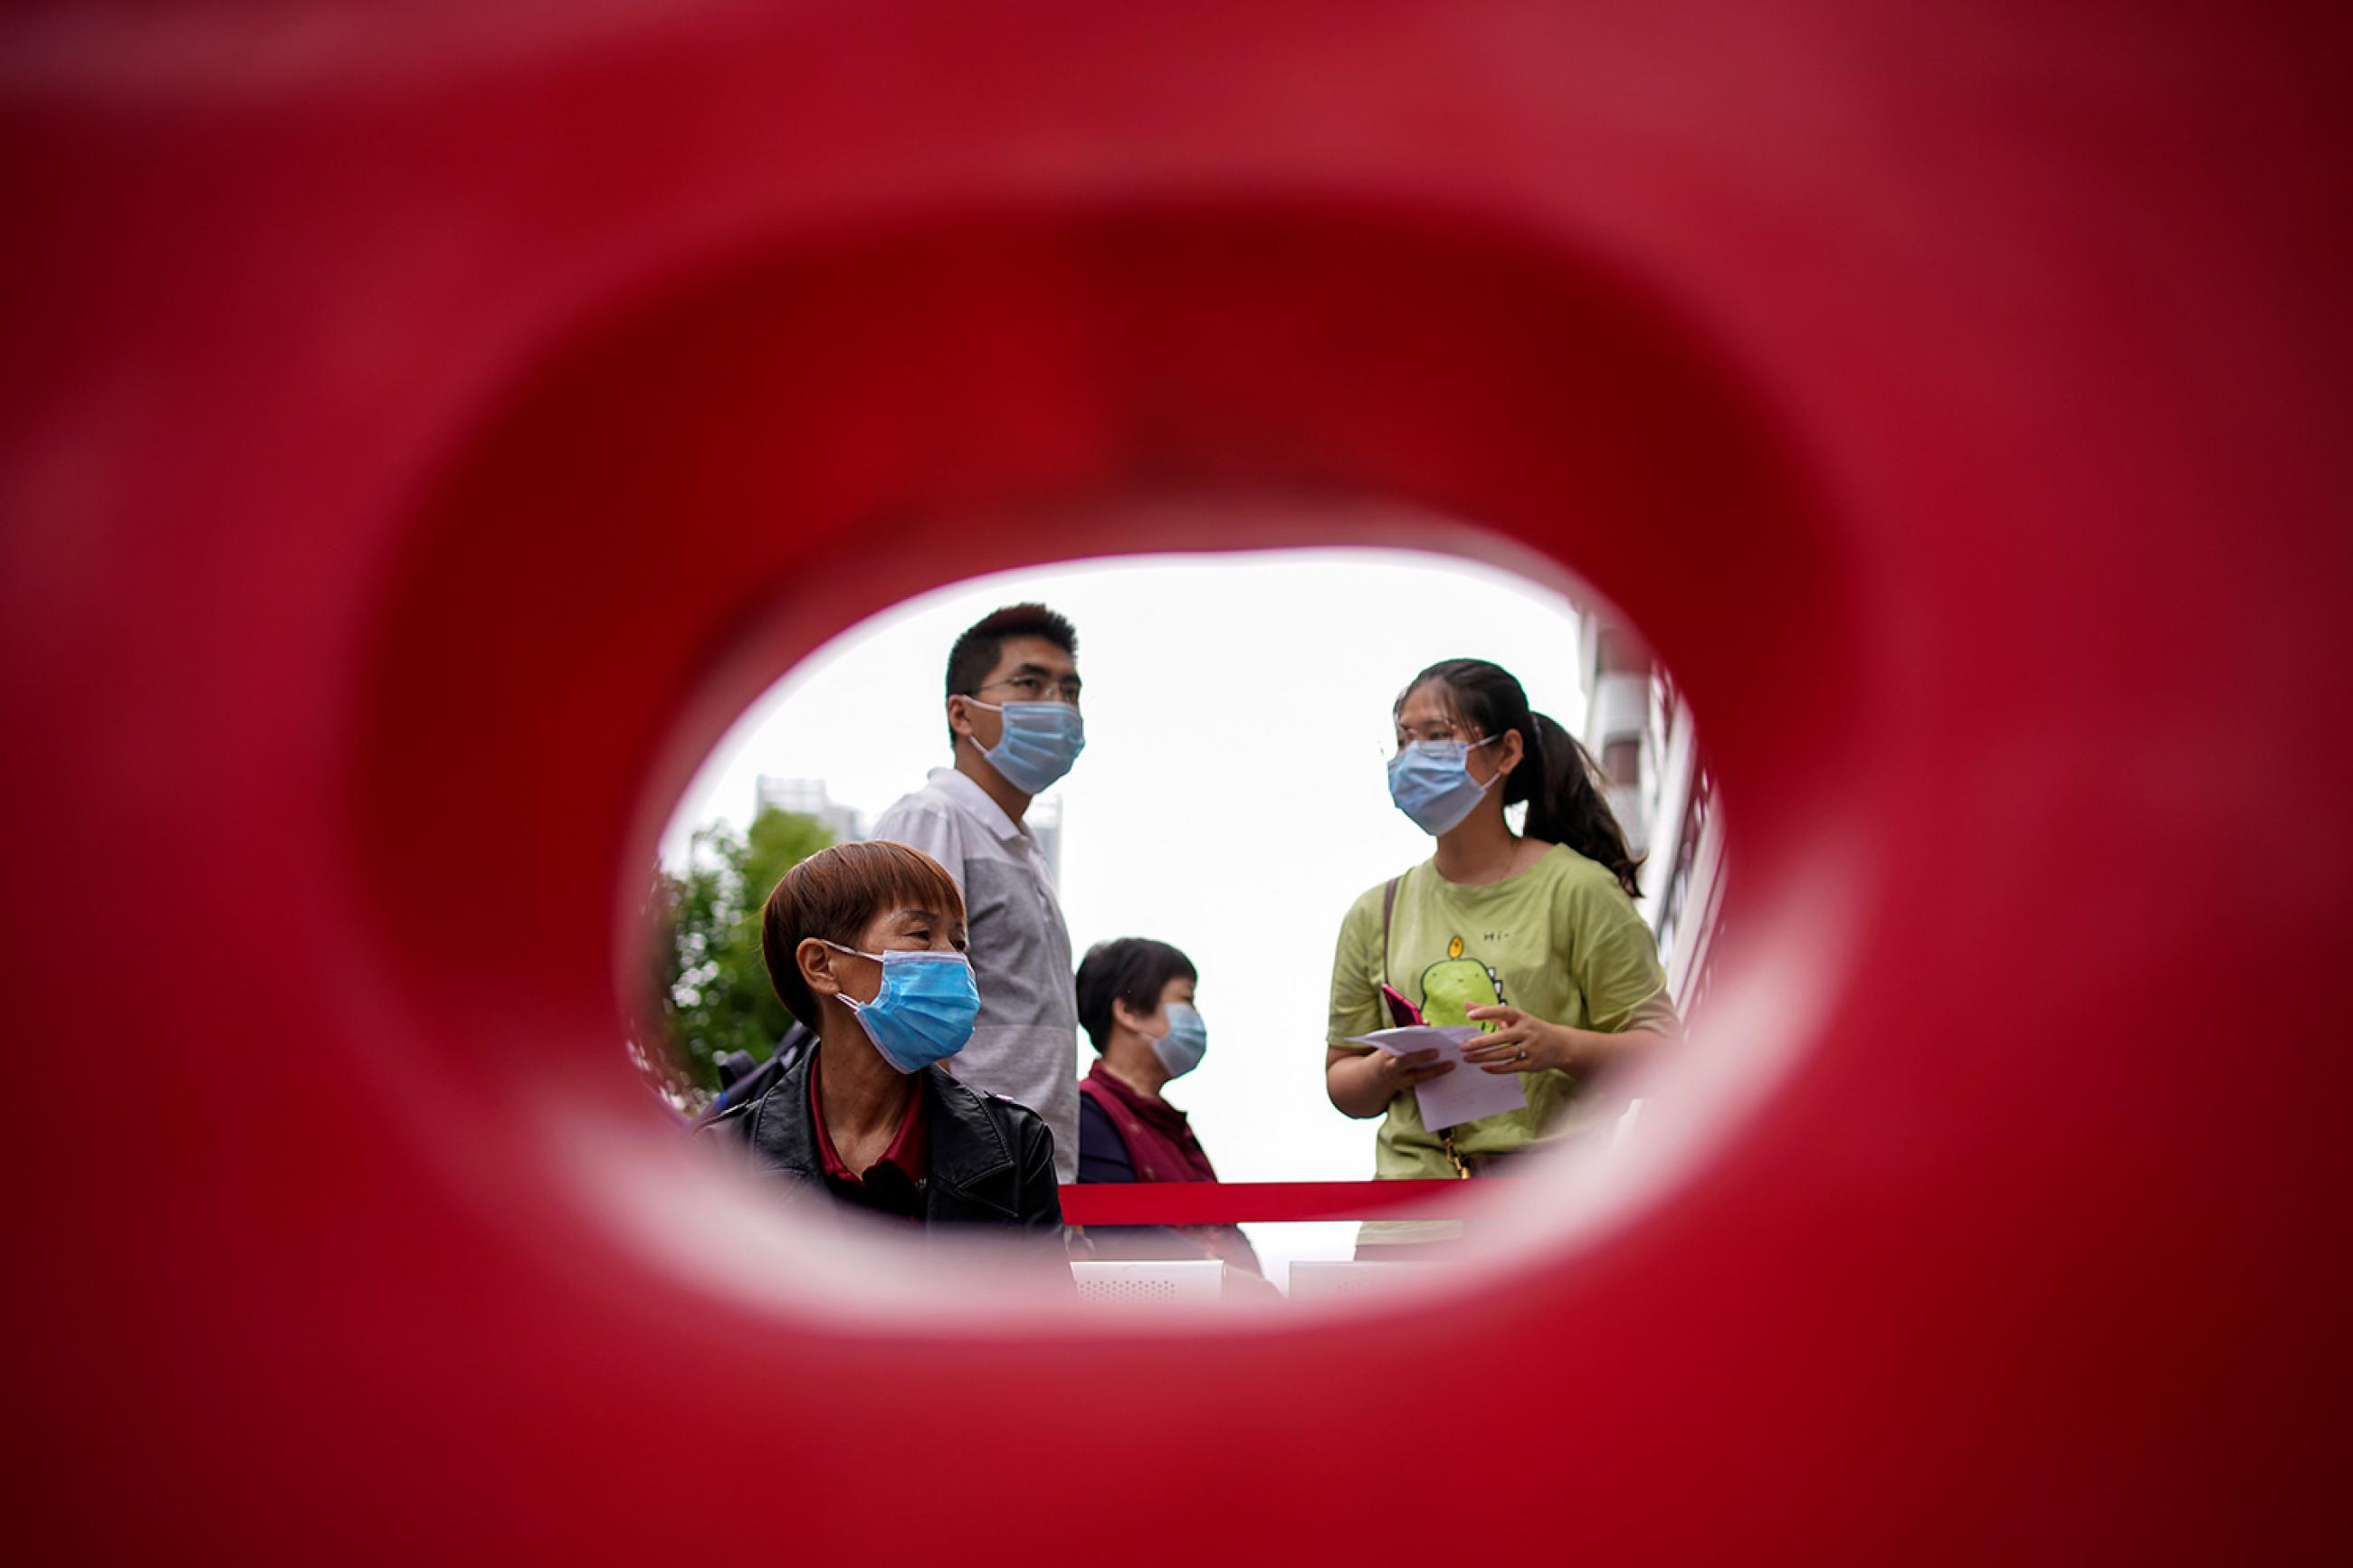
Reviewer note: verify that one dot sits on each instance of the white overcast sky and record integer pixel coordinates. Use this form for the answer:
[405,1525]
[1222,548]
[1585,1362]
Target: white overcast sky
[1231,799]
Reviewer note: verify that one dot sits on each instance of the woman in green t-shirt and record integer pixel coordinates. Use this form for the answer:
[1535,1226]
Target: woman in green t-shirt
[1532,936]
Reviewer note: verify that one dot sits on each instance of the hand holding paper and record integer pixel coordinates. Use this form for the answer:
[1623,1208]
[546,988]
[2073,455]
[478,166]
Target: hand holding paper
[1457,1096]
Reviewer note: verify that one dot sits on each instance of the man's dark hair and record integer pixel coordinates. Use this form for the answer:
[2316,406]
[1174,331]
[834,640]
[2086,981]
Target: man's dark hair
[1134,970]
[977,651]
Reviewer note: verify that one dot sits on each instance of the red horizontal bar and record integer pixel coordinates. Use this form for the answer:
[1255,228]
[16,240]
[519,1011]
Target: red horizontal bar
[1228,1203]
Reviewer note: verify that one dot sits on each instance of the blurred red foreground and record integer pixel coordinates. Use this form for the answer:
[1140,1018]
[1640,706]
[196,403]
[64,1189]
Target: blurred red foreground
[420,431]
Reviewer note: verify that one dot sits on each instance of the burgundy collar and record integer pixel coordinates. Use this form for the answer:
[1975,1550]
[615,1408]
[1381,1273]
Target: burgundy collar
[1159,1139]
[908,1150]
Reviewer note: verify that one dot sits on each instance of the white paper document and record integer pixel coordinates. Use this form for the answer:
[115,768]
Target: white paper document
[1464,1095]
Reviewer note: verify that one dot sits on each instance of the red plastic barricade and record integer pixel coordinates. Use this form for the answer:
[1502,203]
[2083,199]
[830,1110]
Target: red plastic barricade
[421,431]
[1239,1203]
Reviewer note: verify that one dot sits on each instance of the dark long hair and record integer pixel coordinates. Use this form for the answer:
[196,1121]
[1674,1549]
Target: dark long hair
[1556,776]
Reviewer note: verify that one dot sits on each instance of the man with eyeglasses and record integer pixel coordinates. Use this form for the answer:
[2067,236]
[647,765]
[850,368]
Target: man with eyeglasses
[1013,721]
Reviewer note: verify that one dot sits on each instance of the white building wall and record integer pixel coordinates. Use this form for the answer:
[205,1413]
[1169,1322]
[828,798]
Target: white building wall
[1664,802]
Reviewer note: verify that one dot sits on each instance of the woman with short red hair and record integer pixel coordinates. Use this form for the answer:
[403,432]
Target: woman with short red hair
[864,943]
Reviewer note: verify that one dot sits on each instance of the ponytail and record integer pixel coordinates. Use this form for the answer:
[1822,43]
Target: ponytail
[1555,776]
[1558,778]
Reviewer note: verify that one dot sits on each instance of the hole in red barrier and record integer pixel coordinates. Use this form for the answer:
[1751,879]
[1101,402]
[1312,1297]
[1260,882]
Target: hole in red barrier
[690,497]
[1231,803]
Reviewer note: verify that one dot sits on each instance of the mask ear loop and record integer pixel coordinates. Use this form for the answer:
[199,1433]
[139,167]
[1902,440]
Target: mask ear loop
[844,997]
[1497,776]
[996,707]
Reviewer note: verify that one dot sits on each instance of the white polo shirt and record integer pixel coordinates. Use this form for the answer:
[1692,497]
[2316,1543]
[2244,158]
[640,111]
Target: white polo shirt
[1025,1045]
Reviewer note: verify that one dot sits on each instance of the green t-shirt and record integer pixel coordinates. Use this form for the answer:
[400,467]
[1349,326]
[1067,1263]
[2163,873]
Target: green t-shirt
[1560,940]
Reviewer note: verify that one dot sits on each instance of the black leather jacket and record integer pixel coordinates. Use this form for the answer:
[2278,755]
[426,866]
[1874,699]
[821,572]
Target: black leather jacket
[990,1162]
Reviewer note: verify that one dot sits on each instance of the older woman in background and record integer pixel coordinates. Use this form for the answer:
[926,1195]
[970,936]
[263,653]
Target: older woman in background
[1135,1003]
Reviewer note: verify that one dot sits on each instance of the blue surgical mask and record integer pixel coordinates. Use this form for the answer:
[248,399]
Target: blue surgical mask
[1041,739]
[925,1009]
[1430,782]
[1180,1048]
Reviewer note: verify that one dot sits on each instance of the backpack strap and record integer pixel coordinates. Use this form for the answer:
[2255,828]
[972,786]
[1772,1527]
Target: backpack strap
[797,1041]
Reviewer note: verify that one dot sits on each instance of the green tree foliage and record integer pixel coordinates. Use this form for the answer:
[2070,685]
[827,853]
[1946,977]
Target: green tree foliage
[709,989]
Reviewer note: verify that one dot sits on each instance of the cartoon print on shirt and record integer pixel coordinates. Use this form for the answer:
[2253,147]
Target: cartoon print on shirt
[1455,984]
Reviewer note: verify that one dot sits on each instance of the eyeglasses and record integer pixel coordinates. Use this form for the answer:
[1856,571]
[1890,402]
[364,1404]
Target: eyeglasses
[1435,730]
[1038,688]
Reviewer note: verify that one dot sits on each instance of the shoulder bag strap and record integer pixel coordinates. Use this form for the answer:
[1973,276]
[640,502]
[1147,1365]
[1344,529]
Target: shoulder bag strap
[1389,904]
[1388,907]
